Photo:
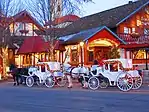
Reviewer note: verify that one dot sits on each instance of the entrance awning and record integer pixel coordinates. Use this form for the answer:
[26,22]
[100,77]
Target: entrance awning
[36,44]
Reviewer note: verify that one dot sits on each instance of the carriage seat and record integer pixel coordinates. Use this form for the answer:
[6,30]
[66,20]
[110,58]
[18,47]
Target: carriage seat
[94,69]
[94,72]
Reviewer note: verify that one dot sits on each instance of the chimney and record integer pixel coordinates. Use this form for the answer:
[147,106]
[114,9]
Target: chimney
[130,2]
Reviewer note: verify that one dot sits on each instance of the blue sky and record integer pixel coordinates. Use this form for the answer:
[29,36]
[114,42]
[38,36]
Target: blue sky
[101,5]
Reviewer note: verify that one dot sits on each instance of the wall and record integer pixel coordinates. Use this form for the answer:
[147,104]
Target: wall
[139,21]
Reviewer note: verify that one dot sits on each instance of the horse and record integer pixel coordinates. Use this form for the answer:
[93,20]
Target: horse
[81,73]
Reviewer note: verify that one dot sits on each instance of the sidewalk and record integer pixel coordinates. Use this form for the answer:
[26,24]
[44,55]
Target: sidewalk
[6,80]
[77,86]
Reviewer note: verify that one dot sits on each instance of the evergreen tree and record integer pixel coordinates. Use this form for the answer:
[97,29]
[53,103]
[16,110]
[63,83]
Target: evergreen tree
[113,53]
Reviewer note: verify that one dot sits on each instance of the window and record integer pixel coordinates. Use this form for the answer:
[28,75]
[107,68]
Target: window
[29,28]
[133,30]
[127,30]
[139,54]
[146,31]
[74,55]
[17,27]
[113,67]
[139,23]
[90,56]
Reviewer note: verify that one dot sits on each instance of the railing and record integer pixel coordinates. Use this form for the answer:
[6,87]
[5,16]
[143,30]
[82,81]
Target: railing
[130,39]
[140,61]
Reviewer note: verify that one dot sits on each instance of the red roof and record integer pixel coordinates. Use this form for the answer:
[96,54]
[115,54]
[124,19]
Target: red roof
[36,44]
[63,19]
[33,44]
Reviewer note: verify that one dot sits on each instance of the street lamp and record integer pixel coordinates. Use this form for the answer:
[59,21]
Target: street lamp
[146,52]
[81,46]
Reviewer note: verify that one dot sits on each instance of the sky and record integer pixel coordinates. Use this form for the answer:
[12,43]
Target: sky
[101,5]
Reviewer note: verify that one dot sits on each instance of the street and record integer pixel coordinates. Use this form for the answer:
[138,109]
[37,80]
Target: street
[38,99]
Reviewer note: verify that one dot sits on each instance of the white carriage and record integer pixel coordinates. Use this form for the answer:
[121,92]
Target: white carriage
[116,72]
[47,73]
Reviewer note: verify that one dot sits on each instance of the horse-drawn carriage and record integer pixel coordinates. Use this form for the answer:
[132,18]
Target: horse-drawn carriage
[116,72]
[48,73]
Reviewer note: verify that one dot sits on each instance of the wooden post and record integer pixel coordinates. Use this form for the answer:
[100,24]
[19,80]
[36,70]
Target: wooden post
[146,52]
[125,53]
[62,57]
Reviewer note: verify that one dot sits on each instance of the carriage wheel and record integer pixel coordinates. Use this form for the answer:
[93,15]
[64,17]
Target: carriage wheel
[93,83]
[104,83]
[61,81]
[137,82]
[50,82]
[124,81]
[29,81]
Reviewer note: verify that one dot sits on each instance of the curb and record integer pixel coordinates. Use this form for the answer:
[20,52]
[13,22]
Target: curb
[1,81]
[5,80]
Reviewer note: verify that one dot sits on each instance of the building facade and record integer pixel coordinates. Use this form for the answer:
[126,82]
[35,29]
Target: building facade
[129,22]
[85,39]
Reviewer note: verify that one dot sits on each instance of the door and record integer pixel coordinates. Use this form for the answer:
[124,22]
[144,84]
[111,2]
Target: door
[74,56]
[101,52]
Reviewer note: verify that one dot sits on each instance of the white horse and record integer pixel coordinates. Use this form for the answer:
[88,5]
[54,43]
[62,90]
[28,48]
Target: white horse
[76,72]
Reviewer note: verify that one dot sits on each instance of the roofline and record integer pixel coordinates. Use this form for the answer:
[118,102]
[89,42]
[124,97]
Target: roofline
[16,16]
[116,35]
[132,13]
[104,27]
[94,33]
[36,22]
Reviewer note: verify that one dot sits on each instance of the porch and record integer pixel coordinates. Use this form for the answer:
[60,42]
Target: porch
[88,45]
[137,49]
[130,38]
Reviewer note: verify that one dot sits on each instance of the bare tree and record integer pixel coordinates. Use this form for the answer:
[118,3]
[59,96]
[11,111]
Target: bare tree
[43,10]
[49,11]
[7,9]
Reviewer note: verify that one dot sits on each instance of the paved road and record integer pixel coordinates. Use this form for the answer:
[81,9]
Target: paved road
[23,99]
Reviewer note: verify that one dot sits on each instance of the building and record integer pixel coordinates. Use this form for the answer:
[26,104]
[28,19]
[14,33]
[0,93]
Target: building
[126,26]
[85,39]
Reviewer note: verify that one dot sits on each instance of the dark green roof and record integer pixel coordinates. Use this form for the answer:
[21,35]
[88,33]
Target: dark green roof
[85,35]
[109,18]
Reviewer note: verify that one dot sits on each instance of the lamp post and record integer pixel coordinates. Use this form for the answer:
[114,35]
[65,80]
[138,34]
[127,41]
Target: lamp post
[146,52]
[81,48]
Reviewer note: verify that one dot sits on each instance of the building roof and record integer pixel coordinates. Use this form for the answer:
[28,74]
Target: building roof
[56,32]
[63,19]
[86,34]
[36,44]
[33,44]
[21,15]
[88,25]
[109,18]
